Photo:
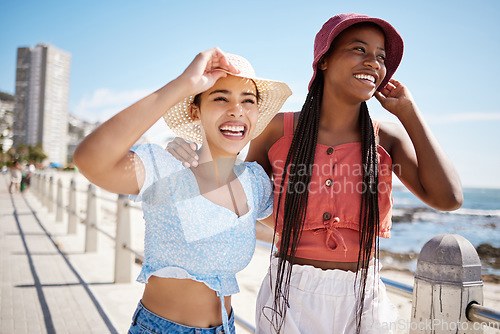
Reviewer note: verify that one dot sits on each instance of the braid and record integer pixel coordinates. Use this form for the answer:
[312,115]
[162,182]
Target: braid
[300,156]
[369,212]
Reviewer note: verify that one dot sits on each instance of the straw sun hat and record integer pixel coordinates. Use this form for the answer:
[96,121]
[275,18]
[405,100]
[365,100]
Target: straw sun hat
[273,95]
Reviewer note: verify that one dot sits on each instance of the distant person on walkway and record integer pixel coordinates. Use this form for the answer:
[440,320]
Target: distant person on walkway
[200,222]
[332,168]
[26,180]
[15,176]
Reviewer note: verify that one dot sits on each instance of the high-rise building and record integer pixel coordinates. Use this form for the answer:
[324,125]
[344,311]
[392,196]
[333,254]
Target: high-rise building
[6,121]
[41,100]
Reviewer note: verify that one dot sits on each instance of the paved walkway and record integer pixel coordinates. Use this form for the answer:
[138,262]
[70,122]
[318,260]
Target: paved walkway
[48,284]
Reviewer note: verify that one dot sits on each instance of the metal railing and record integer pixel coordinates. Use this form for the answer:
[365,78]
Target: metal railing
[480,314]
[51,195]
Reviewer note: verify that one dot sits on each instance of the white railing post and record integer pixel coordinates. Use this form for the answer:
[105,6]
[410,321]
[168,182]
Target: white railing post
[447,280]
[72,208]
[44,188]
[51,202]
[91,220]
[59,202]
[123,257]
[34,184]
[45,192]
[39,187]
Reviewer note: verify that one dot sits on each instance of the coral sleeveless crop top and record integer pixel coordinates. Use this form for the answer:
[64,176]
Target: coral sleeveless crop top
[331,226]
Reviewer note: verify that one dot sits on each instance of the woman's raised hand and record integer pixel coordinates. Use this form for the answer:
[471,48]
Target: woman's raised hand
[396,98]
[183,151]
[206,68]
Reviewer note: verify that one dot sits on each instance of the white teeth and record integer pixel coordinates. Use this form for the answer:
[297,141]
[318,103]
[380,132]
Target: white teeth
[365,77]
[232,134]
[233,128]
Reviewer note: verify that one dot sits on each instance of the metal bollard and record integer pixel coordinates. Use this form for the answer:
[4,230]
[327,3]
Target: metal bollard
[91,220]
[448,278]
[72,208]
[59,202]
[123,257]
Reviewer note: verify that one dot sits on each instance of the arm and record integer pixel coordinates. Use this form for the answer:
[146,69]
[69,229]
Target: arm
[269,221]
[259,147]
[258,152]
[104,157]
[418,159]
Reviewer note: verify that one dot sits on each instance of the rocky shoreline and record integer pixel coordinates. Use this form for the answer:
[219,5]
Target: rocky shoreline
[489,255]
[406,262]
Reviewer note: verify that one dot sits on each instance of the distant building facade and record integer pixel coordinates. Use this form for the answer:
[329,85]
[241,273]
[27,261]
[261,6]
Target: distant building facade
[6,120]
[77,130]
[41,100]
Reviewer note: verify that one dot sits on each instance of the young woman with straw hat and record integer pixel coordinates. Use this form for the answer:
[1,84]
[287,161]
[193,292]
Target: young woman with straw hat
[332,166]
[200,222]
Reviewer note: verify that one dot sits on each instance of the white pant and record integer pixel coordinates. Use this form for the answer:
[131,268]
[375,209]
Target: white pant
[323,302]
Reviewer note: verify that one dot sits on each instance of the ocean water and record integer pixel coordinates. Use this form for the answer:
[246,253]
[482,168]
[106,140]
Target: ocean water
[478,220]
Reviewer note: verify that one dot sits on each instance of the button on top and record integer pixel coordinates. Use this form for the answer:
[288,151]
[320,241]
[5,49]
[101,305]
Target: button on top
[329,151]
[327,216]
[328,183]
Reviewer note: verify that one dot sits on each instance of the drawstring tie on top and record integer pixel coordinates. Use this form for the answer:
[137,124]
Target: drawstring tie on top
[332,234]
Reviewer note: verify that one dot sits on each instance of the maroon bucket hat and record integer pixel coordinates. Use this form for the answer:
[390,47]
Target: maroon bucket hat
[335,25]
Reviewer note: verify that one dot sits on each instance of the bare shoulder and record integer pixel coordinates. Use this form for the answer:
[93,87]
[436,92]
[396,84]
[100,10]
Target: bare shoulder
[272,132]
[276,128]
[276,124]
[296,116]
[259,147]
[389,134]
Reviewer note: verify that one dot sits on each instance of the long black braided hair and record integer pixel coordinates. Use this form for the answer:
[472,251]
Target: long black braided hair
[301,155]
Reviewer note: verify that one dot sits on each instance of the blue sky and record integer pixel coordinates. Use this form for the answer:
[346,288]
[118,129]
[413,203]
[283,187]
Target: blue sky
[122,50]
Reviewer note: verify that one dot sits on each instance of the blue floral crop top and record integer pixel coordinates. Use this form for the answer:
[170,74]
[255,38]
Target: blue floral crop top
[180,242]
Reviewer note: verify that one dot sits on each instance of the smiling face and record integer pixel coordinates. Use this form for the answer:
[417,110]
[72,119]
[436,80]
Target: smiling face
[354,66]
[228,113]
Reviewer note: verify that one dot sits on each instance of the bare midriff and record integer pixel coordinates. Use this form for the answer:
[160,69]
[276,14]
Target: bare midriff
[184,301]
[326,265]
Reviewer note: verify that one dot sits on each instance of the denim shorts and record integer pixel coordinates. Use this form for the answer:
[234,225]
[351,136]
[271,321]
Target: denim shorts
[147,322]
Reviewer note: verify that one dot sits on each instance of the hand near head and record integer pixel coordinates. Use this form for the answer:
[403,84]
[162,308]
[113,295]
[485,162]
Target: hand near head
[183,151]
[396,98]
[206,68]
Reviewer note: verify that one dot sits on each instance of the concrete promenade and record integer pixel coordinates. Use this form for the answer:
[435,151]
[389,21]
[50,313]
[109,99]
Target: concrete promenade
[48,284]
